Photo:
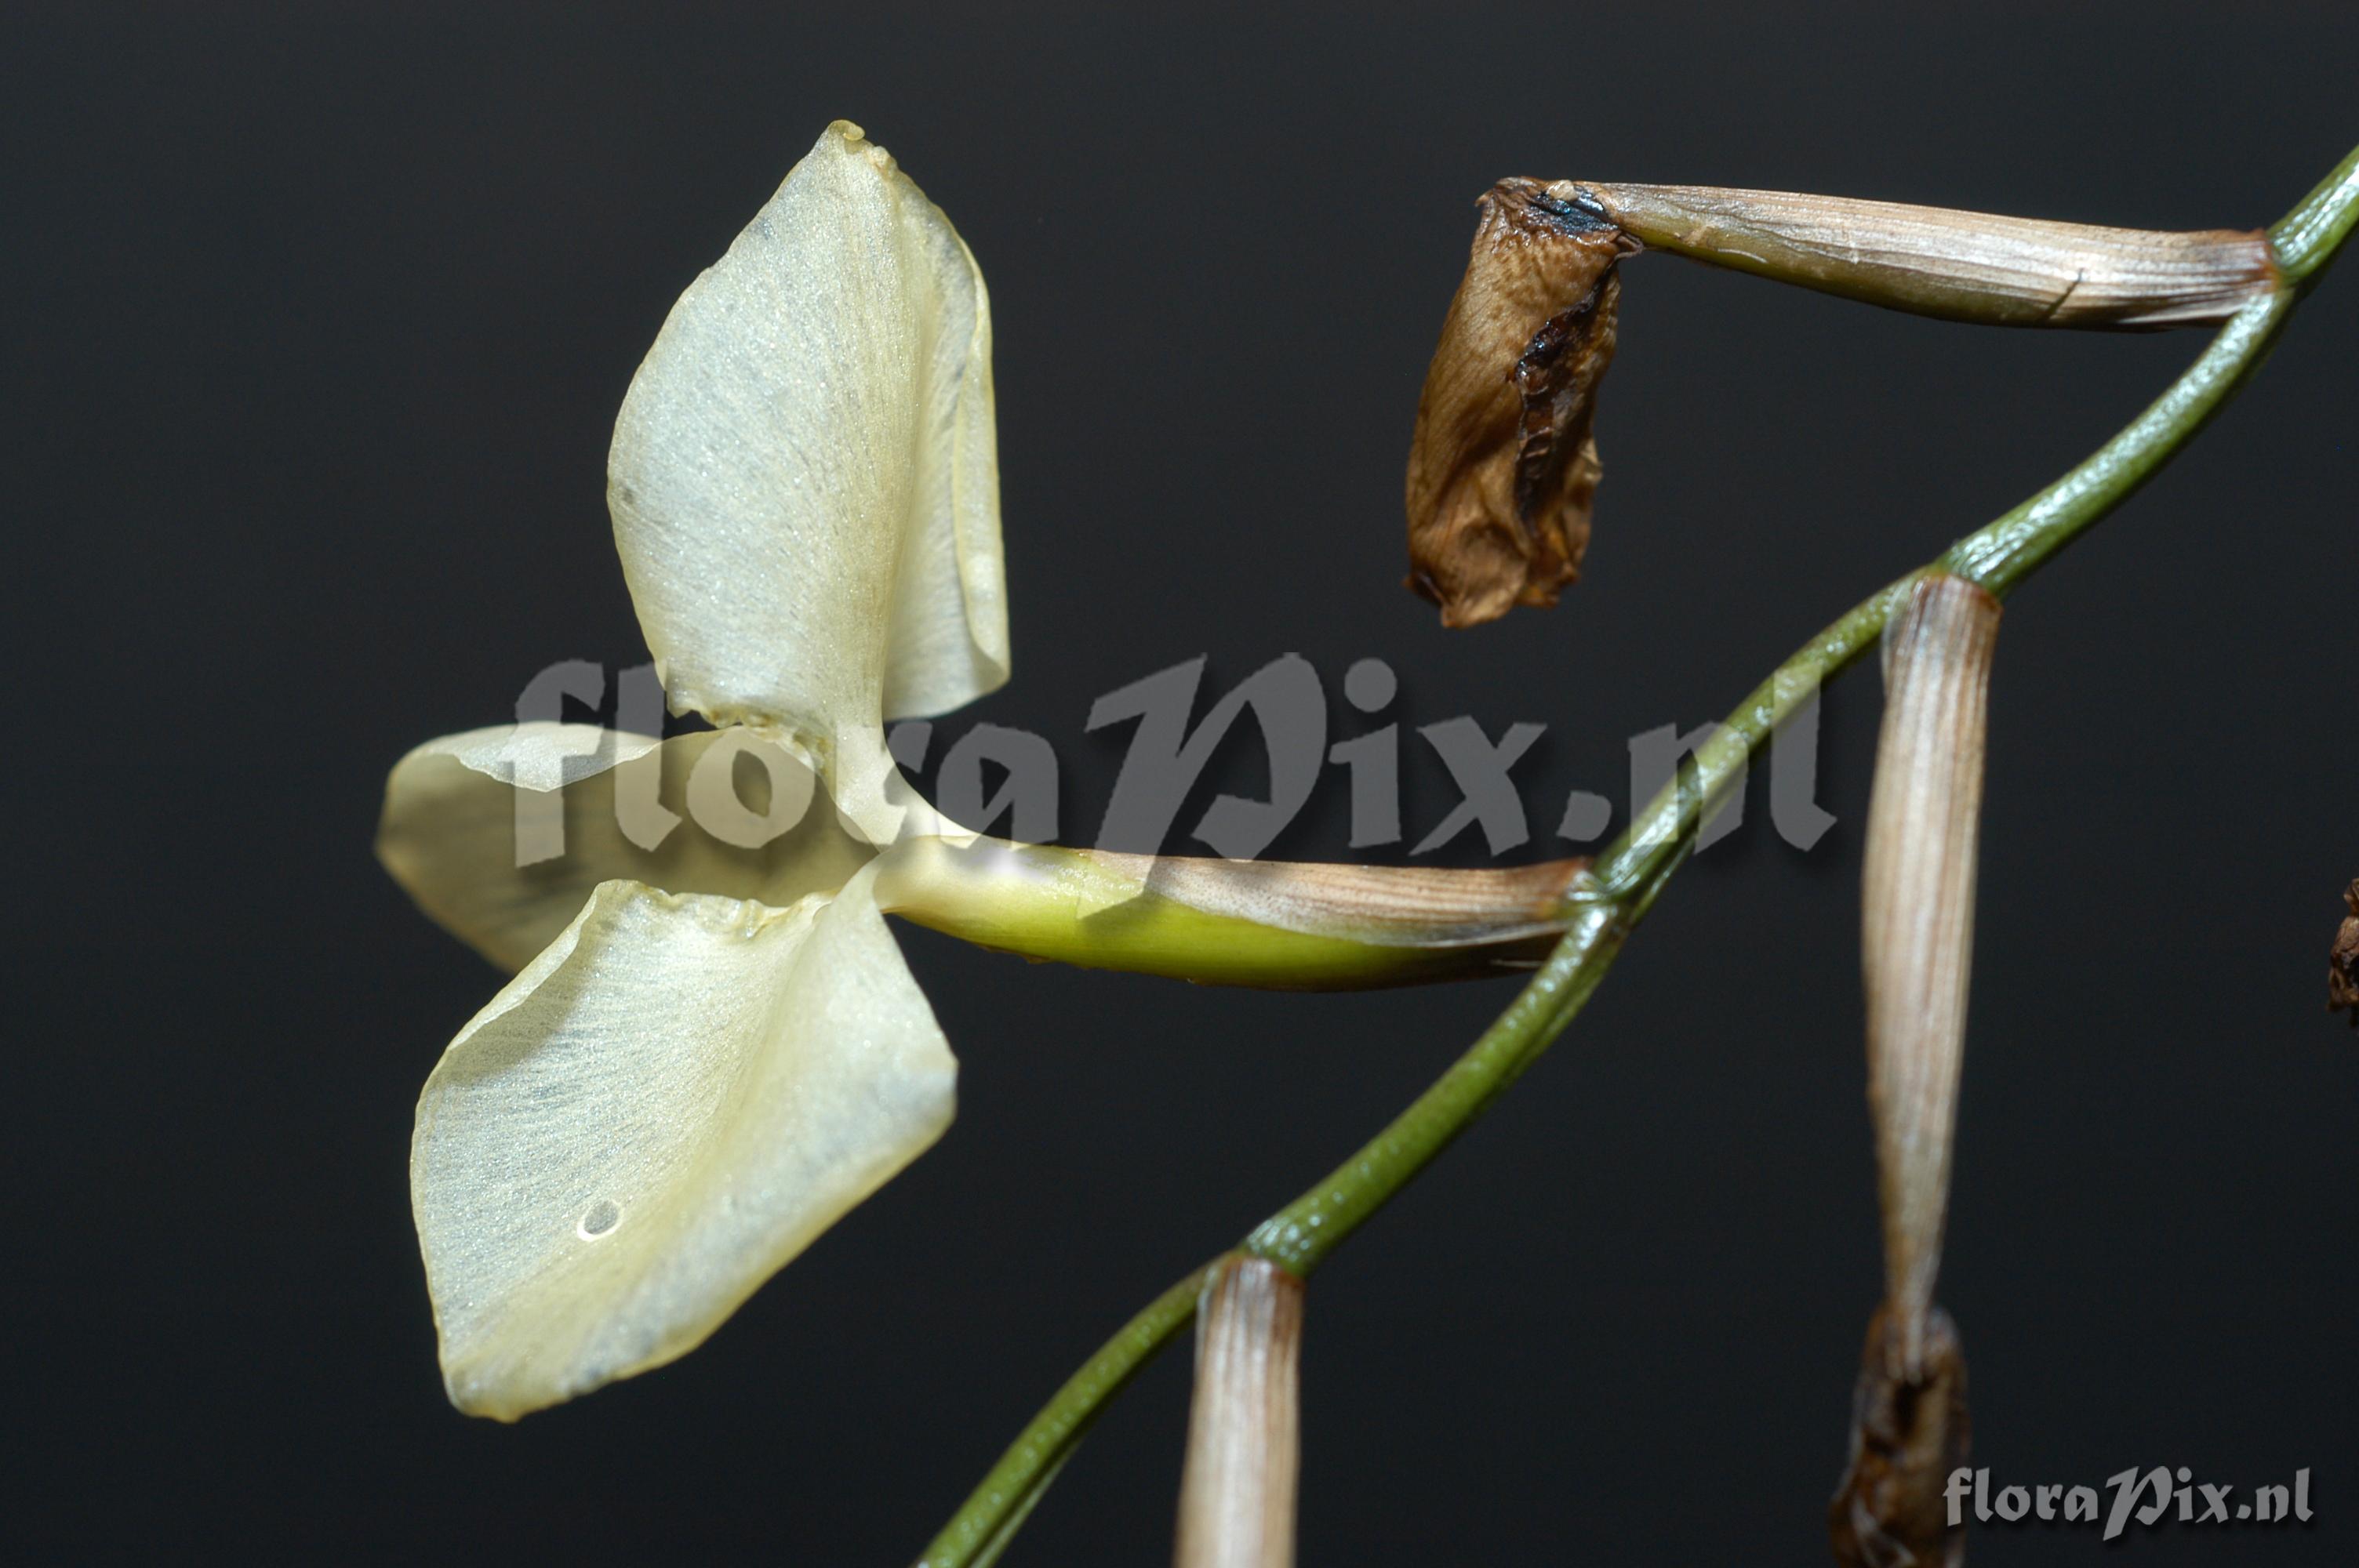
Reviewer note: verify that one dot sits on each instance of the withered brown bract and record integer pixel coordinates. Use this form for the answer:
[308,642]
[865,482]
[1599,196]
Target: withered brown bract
[1910,1429]
[1502,469]
[2342,966]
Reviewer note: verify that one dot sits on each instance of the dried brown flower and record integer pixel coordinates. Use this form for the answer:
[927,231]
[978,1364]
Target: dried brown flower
[2342,965]
[1910,1429]
[1501,472]
[1502,469]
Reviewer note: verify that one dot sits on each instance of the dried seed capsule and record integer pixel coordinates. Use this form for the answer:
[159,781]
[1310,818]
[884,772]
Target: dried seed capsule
[1503,467]
[1960,267]
[2342,965]
[1910,1429]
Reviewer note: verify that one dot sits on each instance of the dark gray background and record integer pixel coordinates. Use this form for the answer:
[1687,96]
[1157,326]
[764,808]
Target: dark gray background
[317,320]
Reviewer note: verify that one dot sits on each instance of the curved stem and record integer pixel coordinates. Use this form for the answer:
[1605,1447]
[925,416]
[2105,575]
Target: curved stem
[2010,549]
[2308,237]
[980,1532]
[1607,902]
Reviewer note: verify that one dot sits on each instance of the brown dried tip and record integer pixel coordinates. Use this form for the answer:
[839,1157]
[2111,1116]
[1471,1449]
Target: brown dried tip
[2342,966]
[1502,469]
[1909,1432]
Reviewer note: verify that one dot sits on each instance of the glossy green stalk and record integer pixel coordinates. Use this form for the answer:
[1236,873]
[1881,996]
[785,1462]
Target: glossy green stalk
[996,1510]
[1605,904]
[2309,237]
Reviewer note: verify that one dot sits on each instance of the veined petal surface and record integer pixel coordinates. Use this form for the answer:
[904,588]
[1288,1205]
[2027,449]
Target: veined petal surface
[670,1102]
[715,812]
[804,475]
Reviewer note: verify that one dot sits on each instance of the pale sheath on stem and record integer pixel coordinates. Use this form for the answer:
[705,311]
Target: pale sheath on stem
[1236,1494]
[1909,1423]
[1982,267]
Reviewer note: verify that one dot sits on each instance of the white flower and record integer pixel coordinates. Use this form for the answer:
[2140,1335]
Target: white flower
[712,1048]
[717,1052]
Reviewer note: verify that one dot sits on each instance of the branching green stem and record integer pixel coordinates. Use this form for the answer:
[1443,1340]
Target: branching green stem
[1608,903]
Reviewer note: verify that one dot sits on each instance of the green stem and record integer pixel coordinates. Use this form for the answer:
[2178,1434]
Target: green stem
[2310,236]
[996,1510]
[1606,904]
[2010,549]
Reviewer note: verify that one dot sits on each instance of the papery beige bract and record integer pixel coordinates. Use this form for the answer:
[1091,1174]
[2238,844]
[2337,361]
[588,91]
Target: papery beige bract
[1910,1427]
[1917,898]
[803,479]
[1984,267]
[1244,1423]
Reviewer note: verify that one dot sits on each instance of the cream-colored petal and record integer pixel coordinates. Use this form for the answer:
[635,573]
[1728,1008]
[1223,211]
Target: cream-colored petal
[804,477]
[463,814]
[670,1103]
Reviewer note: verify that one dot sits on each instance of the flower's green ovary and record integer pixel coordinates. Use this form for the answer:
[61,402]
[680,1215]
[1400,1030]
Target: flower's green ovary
[1046,903]
[1626,878]
[1157,936]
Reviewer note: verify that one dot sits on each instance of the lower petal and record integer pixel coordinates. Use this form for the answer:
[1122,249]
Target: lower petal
[676,1097]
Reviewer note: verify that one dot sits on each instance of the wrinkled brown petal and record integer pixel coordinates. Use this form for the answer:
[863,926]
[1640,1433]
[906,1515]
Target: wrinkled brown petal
[1908,1434]
[2342,967]
[1503,469]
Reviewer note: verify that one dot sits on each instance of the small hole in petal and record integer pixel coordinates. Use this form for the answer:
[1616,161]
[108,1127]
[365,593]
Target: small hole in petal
[602,1218]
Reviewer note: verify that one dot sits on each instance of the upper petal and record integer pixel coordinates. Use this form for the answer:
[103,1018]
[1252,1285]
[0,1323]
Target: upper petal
[670,1102]
[500,834]
[804,477]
